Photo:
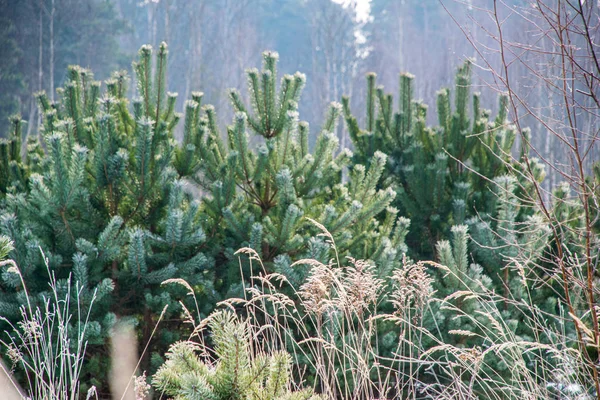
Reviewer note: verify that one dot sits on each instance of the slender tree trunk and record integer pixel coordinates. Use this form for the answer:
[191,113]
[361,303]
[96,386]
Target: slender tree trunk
[52,11]
[167,23]
[193,74]
[167,36]
[40,57]
[151,18]
[32,110]
[400,42]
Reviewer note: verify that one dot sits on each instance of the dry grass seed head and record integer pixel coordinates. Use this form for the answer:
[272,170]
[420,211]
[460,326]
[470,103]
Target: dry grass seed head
[361,287]
[412,287]
[141,388]
[471,357]
[316,291]
[14,354]
[32,331]
[324,232]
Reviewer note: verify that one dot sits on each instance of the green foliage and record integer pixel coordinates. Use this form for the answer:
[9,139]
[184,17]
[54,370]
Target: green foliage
[108,194]
[234,372]
[47,346]
[105,203]
[441,173]
[118,206]
[264,181]
[14,171]
[461,179]
[569,228]
[504,287]
[501,239]
[6,246]
[456,283]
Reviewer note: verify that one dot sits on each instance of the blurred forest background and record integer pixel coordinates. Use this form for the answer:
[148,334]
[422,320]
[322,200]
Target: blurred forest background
[334,42]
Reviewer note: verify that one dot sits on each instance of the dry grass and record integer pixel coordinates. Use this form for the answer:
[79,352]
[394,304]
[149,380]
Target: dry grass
[353,335]
[43,346]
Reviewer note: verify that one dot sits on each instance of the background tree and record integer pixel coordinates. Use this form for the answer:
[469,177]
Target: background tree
[43,37]
[305,33]
[12,84]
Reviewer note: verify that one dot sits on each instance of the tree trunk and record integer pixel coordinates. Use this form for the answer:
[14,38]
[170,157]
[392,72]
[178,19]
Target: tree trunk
[52,11]
[40,58]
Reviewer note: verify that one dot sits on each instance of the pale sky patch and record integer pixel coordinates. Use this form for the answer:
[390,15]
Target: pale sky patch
[362,16]
[362,8]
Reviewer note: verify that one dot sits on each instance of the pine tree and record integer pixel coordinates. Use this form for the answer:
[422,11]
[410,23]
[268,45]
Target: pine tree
[235,372]
[105,204]
[568,221]
[6,246]
[502,241]
[12,172]
[265,183]
[461,180]
[462,276]
[441,173]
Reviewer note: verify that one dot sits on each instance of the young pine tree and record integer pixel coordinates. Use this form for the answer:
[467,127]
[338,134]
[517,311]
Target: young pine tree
[265,182]
[441,173]
[461,180]
[235,371]
[105,203]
